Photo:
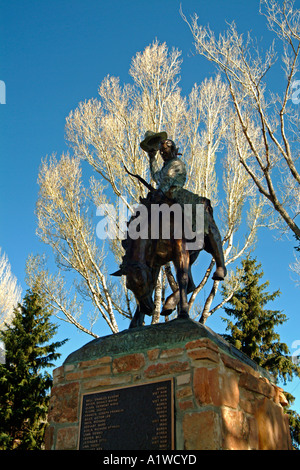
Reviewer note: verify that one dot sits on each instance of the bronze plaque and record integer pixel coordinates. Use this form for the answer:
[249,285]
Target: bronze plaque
[132,418]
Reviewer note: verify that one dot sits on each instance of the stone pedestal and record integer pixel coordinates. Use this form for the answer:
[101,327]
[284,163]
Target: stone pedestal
[222,400]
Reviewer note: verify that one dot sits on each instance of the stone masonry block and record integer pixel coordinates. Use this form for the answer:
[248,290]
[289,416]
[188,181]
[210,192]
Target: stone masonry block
[204,354]
[166,353]
[201,430]
[202,343]
[64,403]
[169,368]
[258,385]
[130,362]
[213,387]
[273,430]
[236,430]
[96,371]
[67,438]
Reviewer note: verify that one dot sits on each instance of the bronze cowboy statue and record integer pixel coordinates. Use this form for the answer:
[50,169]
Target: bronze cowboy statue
[144,256]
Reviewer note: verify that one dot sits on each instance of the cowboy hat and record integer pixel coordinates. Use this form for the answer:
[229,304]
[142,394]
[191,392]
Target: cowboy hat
[152,139]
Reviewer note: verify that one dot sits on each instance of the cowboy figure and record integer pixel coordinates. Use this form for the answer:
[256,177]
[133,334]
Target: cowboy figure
[170,180]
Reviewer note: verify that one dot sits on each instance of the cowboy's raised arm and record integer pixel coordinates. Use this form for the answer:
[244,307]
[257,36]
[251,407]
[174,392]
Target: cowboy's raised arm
[150,144]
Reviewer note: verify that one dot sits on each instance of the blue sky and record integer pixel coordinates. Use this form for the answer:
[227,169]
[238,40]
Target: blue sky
[54,54]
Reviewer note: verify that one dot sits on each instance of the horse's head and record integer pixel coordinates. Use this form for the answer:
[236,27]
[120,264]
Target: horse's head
[139,279]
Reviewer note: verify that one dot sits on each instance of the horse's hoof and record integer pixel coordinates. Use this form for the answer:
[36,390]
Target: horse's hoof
[219,274]
[183,315]
[166,312]
[135,325]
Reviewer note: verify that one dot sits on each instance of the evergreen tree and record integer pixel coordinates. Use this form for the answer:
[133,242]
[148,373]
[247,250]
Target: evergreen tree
[252,331]
[24,386]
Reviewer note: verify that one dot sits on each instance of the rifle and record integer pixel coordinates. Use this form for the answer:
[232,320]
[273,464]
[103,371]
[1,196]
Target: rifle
[148,185]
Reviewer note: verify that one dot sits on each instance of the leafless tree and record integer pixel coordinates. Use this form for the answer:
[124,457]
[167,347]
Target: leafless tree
[104,134]
[10,291]
[268,121]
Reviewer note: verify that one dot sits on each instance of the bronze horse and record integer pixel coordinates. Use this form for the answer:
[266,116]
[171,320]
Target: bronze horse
[145,256]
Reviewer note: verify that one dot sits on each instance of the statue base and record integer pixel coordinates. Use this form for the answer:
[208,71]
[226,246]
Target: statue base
[175,385]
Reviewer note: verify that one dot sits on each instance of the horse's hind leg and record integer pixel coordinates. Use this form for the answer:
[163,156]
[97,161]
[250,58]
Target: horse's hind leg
[191,285]
[173,299]
[171,303]
[145,304]
[138,318]
[181,262]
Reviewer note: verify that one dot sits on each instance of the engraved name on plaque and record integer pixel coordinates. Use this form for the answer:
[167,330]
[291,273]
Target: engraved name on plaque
[138,417]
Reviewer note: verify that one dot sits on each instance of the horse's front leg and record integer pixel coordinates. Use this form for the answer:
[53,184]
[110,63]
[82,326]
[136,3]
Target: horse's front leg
[138,318]
[182,262]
